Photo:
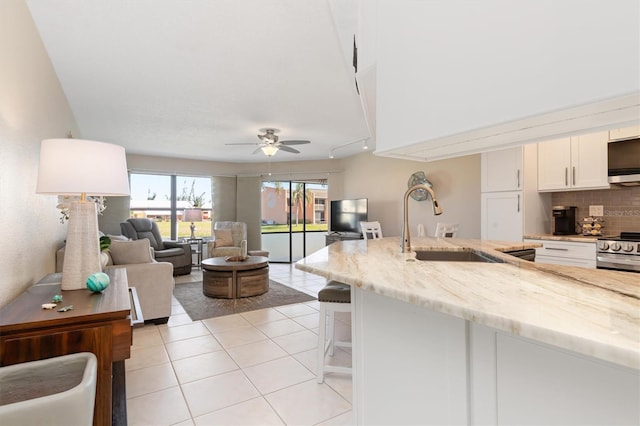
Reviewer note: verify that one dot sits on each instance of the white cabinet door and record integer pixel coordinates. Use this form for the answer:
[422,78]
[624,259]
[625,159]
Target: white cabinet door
[554,162]
[502,170]
[589,161]
[502,216]
[579,162]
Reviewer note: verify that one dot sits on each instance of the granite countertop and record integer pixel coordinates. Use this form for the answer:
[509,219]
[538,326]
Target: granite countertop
[591,311]
[573,238]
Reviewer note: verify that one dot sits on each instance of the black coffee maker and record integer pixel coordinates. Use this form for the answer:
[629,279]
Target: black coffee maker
[564,218]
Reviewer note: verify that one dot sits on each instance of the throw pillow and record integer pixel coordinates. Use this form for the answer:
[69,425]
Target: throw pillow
[128,252]
[223,238]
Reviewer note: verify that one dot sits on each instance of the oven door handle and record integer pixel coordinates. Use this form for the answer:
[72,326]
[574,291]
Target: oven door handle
[619,259]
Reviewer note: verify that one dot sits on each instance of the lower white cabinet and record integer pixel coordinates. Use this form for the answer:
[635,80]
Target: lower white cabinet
[566,253]
[416,366]
[502,216]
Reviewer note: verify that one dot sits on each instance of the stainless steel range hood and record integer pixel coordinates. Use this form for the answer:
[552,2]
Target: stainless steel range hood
[624,162]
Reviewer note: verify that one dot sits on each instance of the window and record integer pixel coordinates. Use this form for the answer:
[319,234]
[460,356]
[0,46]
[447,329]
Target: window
[164,199]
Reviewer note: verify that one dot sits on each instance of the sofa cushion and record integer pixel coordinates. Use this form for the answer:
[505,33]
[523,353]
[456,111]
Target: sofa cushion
[223,238]
[128,252]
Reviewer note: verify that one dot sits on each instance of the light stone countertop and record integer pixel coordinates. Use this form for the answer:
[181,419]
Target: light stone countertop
[572,238]
[590,311]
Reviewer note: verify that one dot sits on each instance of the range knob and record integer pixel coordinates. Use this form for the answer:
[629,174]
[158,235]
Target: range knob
[627,247]
[604,245]
[616,246]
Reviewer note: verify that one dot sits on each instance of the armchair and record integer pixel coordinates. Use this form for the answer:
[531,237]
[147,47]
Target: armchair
[230,239]
[178,254]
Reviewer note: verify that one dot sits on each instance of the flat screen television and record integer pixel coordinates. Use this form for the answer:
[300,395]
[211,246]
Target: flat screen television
[346,215]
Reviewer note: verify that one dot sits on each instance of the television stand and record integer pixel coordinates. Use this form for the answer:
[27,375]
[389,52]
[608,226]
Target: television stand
[332,237]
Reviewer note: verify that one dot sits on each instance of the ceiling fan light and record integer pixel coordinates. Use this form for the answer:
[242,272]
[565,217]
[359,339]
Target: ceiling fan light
[269,150]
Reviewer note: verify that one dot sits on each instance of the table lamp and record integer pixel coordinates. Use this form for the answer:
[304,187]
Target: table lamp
[192,215]
[80,167]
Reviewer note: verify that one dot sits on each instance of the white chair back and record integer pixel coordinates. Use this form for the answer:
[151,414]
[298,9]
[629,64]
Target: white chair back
[371,228]
[446,230]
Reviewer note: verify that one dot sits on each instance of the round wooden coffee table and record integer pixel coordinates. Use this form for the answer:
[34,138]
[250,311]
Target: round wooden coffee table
[231,280]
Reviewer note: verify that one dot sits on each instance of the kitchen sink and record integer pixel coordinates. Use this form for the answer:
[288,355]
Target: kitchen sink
[455,256]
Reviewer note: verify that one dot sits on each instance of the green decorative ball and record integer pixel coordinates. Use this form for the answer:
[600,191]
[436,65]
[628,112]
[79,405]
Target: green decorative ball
[98,281]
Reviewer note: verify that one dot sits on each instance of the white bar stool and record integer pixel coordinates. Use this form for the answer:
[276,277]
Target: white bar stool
[371,228]
[334,297]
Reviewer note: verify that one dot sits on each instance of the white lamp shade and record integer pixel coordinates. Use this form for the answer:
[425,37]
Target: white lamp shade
[76,166]
[192,215]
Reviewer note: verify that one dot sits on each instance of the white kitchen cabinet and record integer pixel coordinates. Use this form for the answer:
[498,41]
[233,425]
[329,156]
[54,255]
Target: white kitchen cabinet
[510,203]
[566,253]
[502,216]
[578,162]
[502,170]
[624,133]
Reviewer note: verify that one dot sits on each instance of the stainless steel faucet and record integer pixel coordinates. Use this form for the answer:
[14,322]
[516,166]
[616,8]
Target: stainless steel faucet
[437,210]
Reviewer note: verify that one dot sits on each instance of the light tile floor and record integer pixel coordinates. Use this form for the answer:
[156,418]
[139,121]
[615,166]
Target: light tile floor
[254,368]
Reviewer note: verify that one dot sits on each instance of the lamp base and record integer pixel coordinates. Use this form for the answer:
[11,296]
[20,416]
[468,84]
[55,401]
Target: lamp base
[193,231]
[82,252]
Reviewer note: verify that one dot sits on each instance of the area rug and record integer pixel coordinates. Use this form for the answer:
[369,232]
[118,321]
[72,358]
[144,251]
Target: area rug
[200,307]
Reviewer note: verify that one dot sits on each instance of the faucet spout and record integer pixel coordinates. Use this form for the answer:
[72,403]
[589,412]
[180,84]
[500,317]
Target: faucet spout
[437,210]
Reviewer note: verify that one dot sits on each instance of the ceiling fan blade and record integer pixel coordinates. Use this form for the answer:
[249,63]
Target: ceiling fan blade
[294,142]
[243,143]
[288,149]
[257,150]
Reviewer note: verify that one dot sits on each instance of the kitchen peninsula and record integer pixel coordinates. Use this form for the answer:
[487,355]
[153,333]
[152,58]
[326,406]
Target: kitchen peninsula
[512,342]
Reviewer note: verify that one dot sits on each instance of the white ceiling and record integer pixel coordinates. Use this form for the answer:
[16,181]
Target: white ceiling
[182,78]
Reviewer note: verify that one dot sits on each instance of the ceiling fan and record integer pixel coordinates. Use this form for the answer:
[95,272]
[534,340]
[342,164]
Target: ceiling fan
[270,143]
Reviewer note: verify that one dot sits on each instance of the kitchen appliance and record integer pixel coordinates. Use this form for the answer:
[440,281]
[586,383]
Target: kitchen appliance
[621,253]
[624,162]
[564,218]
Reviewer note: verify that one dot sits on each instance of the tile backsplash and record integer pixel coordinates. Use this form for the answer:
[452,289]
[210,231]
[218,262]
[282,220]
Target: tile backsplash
[621,206]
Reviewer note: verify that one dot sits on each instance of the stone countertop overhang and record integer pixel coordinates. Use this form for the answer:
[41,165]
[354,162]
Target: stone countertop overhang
[590,311]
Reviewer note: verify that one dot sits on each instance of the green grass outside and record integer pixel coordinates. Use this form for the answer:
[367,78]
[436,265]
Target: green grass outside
[266,229]
[203,229]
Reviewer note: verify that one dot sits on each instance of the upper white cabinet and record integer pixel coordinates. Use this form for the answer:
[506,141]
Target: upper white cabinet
[502,170]
[625,133]
[579,162]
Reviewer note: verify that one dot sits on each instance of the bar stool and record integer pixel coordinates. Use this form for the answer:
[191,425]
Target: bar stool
[334,297]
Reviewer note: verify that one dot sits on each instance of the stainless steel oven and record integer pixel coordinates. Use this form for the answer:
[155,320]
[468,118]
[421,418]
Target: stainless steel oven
[621,253]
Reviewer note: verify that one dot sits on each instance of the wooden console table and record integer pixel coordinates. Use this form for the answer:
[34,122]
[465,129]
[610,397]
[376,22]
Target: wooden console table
[98,323]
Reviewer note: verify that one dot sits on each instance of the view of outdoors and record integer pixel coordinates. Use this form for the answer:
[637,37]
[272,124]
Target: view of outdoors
[294,214]
[306,201]
[151,196]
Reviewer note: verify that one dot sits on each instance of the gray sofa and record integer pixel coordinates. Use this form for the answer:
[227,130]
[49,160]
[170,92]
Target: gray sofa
[176,253]
[153,280]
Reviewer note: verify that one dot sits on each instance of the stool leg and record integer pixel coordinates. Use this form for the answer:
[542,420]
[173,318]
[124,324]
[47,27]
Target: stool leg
[332,330]
[322,329]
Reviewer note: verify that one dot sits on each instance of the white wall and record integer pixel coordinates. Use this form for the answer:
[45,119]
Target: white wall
[32,107]
[445,67]
[383,181]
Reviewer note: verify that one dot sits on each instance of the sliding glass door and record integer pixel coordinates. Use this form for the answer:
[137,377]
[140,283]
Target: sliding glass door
[294,218]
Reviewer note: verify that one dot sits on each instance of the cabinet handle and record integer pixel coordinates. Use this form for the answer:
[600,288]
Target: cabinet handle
[573,172]
[518,203]
[518,178]
[566,176]
[556,248]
